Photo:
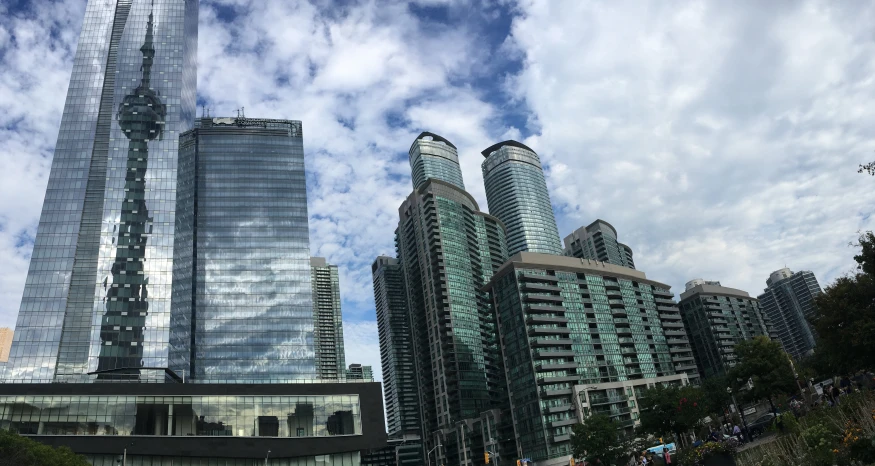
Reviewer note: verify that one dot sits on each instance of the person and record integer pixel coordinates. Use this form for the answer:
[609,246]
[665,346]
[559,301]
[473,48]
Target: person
[714,436]
[835,394]
[736,432]
[666,455]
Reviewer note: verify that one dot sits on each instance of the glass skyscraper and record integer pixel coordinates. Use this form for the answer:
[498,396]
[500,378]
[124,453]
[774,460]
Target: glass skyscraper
[242,297]
[96,301]
[517,195]
[434,157]
[788,302]
[327,320]
[598,241]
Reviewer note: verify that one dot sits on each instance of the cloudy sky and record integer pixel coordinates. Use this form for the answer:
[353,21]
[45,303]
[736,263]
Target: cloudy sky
[720,138]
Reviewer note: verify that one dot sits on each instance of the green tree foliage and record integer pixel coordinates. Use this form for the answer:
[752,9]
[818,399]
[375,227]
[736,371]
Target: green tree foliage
[596,439]
[845,315]
[715,396]
[667,410]
[868,168]
[16,450]
[763,362]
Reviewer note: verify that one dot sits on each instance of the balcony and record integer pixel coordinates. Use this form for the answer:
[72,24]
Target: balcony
[557,392]
[539,319]
[596,400]
[540,287]
[534,308]
[551,342]
[543,354]
[529,277]
[556,366]
[566,422]
[549,298]
[540,331]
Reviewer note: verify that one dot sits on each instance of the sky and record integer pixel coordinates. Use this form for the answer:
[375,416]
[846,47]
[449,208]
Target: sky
[721,139]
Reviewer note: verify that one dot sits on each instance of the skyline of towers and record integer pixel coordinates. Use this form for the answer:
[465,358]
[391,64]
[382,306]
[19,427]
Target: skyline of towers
[242,299]
[96,302]
[788,301]
[327,320]
[517,194]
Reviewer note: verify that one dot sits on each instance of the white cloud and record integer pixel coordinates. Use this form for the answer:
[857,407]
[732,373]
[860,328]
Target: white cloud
[362,346]
[721,141]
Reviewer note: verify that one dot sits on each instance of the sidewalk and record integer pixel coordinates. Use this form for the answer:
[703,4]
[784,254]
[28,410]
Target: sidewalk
[765,438]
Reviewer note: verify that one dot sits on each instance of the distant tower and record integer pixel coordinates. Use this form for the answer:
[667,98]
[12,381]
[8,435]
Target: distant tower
[434,157]
[327,320]
[598,241]
[788,301]
[360,372]
[517,195]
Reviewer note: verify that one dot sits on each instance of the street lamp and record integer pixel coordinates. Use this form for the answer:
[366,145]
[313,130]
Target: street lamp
[428,455]
[492,452]
[741,411]
[266,457]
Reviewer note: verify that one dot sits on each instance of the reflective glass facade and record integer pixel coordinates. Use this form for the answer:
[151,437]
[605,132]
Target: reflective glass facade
[242,297]
[564,322]
[448,250]
[327,320]
[433,157]
[228,416]
[598,241]
[788,302]
[97,296]
[393,325]
[716,319]
[517,195]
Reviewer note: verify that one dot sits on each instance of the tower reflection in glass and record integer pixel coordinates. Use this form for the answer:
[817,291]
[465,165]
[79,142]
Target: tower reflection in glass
[242,304]
[96,302]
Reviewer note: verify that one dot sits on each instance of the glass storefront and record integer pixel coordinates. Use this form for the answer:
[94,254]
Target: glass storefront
[233,416]
[341,459]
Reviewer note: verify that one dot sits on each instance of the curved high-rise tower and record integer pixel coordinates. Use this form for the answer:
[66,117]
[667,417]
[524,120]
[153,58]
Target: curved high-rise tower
[434,157]
[517,195]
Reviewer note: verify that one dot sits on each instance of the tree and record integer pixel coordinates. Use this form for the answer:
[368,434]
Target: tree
[764,363]
[16,450]
[715,397]
[844,316]
[868,168]
[596,439]
[667,410]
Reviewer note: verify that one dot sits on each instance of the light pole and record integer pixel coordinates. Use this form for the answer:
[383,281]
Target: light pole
[740,411]
[266,457]
[428,455]
[491,452]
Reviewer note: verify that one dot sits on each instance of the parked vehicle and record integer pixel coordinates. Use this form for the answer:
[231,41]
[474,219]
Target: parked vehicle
[760,424]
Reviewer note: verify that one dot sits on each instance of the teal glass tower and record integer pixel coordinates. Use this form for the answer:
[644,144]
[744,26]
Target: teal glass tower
[434,157]
[96,302]
[517,195]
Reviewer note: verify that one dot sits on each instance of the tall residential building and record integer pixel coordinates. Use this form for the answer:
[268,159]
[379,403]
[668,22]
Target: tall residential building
[327,320]
[598,241]
[788,302]
[360,372]
[393,325]
[242,301]
[717,318]
[569,325]
[5,343]
[96,301]
[517,195]
[448,251]
[434,157]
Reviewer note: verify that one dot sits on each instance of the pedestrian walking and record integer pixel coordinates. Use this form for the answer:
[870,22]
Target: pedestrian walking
[667,456]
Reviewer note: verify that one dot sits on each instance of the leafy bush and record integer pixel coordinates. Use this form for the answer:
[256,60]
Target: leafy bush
[16,450]
[697,456]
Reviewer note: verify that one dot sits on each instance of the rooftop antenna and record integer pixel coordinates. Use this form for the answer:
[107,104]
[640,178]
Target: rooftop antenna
[243,110]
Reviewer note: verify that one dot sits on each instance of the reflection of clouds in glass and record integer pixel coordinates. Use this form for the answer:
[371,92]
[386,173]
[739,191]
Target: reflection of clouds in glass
[249,264]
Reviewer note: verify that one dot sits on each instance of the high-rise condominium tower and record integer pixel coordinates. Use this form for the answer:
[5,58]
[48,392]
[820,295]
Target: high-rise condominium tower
[327,320]
[448,250]
[716,319]
[97,296]
[433,157]
[598,241]
[578,336]
[788,302]
[393,325]
[360,372]
[242,298]
[517,195]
